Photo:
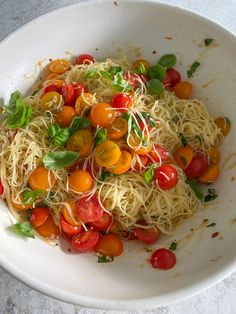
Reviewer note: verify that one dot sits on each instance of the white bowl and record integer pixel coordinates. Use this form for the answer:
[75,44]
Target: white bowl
[103,29]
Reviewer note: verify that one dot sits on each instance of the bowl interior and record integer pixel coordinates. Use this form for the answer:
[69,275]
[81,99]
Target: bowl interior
[136,29]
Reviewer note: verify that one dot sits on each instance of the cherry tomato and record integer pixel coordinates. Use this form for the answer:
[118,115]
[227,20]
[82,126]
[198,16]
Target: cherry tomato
[59,66]
[144,161]
[214,155]
[84,59]
[49,229]
[210,175]
[79,89]
[41,179]
[85,100]
[52,88]
[223,124]
[85,241]
[148,236]
[65,116]
[80,181]
[117,229]
[197,166]
[81,141]
[134,141]
[172,78]
[68,228]
[18,204]
[183,156]
[133,79]
[59,83]
[51,76]
[101,114]
[39,216]
[141,62]
[70,214]
[51,101]
[158,154]
[1,188]
[123,164]
[163,259]
[117,129]
[166,177]
[122,102]
[103,223]
[144,128]
[89,209]
[107,154]
[183,90]
[109,245]
[80,166]
[68,94]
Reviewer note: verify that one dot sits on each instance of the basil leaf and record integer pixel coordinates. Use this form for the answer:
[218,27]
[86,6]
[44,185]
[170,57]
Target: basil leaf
[212,194]
[29,196]
[58,135]
[23,229]
[105,259]
[13,99]
[114,70]
[105,174]
[196,189]
[58,160]
[173,246]
[140,70]
[149,174]
[208,41]
[91,73]
[183,139]
[167,61]
[155,87]
[211,225]
[101,136]
[120,83]
[78,123]
[157,72]
[193,68]
[148,119]
[106,75]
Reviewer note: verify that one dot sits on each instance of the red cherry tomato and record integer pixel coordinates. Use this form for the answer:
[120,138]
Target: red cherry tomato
[166,177]
[163,259]
[158,154]
[79,89]
[39,216]
[144,160]
[68,94]
[121,102]
[1,188]
[147,236]
[89,209]
[84,59]
[103,223]
[52,88]
[197,166]
[85,241]
[68,228]
[144,77]
[133,79]
[172,78]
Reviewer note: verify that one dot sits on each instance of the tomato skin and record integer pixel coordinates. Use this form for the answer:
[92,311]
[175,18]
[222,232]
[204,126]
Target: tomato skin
[117,129]
[197,166]
[123,164]
[166,177]
[122,102]
[65,116]
[163,259]
[183,156]
[133,79]
[19,206]
[147,236]
[109,245]
[84,59]
[85,241]
[172,78]
[101,114]
[80,181]
[1,188]
[210,175]
[144,160]
[141,62]
[107,154]
[50,101]
[59,66]
[89,209]
[38,179]
[79,89]
[68,94]
[214,155]
[81,141]
[103,223]
[161,156]
[68,228]
[48,229]
[223,124]
[39,216]
[117,229]
[183,89]
[74,221]
[52,88]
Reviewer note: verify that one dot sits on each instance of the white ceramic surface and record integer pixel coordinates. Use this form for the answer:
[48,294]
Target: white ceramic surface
[129,282]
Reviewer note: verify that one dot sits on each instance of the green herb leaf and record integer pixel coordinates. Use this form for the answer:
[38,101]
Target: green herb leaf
[79,123]
[120,83]
[208,41]
[29,196]
[140,70]
[114,70]
[212,194]
[104,259]
[23,229]
[100,137]
[183,139]
[149,174]
[91,73]
[173,246]
[155,87]
[157,72]
[211,225]
[184,161]
[196,189]
[149,119]
[105,174]
[193,68]
[167,61]
[60,159]
[106,75]
[59,136]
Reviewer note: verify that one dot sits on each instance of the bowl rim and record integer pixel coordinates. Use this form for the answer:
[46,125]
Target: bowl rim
[115,304]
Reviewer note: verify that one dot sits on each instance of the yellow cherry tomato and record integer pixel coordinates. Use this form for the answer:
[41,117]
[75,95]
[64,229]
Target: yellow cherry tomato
[107,154]
[223,124]
[81,141]
[80,181]
[123,164]
[183,156]
[70,215]
[210,175]
[214,155]
[83,101]
[51,101]
[134,141]
[117,129]
[183,89]
[102,114]
[49,229]
[65,116]
[59,66]
[41,179]
[141,63]
[51,76]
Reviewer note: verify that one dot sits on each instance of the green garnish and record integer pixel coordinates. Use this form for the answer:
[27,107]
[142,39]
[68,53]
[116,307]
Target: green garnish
[100,137]
[91,73]
[60,159]
[29,196]
[104,259]
[23,229]
[59,136]
[79,123]
[106,75]
[173,246]
[208,41]
[167,61]
[114,70]
[184,161]
[211,225]
[149,119]
[157,72]
[196,189]
[140,70]
[193,68]
[155,87]
[149,174]
[105,174]
[120,83]
[212,194]
[183,139]
[132,126]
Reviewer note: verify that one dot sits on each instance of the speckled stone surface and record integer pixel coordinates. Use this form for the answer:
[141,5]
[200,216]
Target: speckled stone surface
[17,298]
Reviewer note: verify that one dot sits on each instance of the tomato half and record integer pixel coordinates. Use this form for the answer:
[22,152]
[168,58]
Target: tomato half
[89,209]
[49,229]
[68,228]
[210,175]
[85,241]
[107,154]
[223,124]
[172,78]
[39,216]
[85,59]
[117,229]
[158,154]
[52,88]
[134,80]
[68,94]
[183,89]
[138,166]
[103,223]
[166,177]
[81,141]
[80,181]
[163,259]
[109,245]
[122,102]
[41,179]
[148,236]
[123,164]
[51,101]
[117,129]
[59,66]
[101,114]
[65,116]
[79,89]
[183,156]
[197,166]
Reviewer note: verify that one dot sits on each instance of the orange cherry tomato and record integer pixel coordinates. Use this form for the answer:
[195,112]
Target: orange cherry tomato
[51,76]
[147,236]
[85,100]
[58,83]
[117,229]
[65,116]
[223,124]
[134,141]
[117,129]
[141,62]
[123,164]
[109,245]
[210,175]
[41,179]
[51,101]
[69,229]
[107,154]
[39,216]
[214,155]
[183,89]
[18,204]
[59,66]
[70,214]
[81,141]
[183,156]
[102,114]
[49,229]
[80,181]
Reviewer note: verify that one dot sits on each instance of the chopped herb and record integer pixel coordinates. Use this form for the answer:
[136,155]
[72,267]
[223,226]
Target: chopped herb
[120,83]
[167,61]
[196,189]
[148,249]
[29,196]
[91,73]
[140,70]
[104,259]
[105,174]
[23,229]
[114,70]
[149,119]
[106,75]
[79,123]
[132,126]
[58,160]
[149,174]
[100,137]
[193,68]
[208,41]
[155,87]
[157,72]
[173,246]
[183,139]
[59,136]
[184,161]
[212,194]
[211,225]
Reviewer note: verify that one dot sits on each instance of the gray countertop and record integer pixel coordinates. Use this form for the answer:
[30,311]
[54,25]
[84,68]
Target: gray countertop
[15,297]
